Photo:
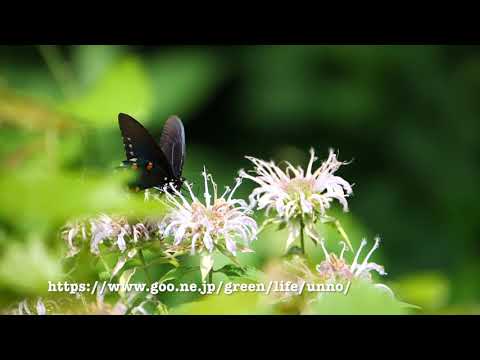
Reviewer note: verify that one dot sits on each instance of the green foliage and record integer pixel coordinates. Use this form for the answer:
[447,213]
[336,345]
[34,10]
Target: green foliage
[78,196]
[27,267]
[362,299]
[237,303]
[406,115]
[234,272]
[428,290]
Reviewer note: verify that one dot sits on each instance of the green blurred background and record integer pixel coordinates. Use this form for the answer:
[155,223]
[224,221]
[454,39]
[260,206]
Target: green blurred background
[408,116]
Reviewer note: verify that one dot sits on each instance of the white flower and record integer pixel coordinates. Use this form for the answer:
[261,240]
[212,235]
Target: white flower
[116,229]
[335,268]
[72,230]
[219,221]
[297,196]
[39,308]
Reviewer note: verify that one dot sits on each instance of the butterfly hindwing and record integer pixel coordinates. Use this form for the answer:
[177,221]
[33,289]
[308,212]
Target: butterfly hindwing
[172,143]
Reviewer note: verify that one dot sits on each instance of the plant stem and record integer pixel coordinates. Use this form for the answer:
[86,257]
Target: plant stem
[144,263]
[264,225]
[104,263]
[210,276]
[302,239]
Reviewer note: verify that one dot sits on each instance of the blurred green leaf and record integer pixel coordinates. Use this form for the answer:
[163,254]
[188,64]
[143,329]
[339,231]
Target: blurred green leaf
[362,299]
[244,272]
[236,303]
[44,198]
[27,267]
[125,279]
[428,290]
[206,265]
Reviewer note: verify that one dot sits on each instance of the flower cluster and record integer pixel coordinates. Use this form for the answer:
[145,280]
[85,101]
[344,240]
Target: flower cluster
[219,221]
[295,198]
[299,198]
[38,308]
[114,230]
[335,268]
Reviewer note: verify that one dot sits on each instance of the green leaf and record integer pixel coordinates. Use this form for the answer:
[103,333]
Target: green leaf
[43,199]
[243,272]
[125,279]
[27,267]
[294,250]
[206,264]
[429,290]
[237,303]
[282,225]
[362,299]
[228,254]
[104,275]
[168,276]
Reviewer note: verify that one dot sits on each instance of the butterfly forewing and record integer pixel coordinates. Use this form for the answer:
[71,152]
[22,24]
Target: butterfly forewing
[172,143]
[141,148]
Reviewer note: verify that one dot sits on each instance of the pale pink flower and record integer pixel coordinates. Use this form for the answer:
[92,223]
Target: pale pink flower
[335,268]
[295,195]
[217,221]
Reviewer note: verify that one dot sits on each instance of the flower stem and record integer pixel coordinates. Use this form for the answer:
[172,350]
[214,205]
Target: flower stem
[264,225]
[144,263]
[104,263]
[302,239]
[210,276]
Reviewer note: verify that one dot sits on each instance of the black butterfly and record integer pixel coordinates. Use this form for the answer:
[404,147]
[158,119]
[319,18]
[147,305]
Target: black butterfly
[159,164]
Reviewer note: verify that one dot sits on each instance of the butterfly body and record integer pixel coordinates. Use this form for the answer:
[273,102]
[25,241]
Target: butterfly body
[159,164]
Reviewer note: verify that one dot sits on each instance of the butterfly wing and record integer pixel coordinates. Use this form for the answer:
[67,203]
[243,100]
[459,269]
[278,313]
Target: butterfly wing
[172,143]
[140,149]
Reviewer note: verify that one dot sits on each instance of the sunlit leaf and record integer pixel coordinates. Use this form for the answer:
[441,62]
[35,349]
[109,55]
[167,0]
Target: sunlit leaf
[241,303]
[245,272]
[361,299]
[125,279]
[428,290]
[206,265]
[31,199]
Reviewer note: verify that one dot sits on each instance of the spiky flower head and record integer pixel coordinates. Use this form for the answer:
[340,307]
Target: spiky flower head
[336,268]
[113,230]
[218,221]
[298,196]
[38,307]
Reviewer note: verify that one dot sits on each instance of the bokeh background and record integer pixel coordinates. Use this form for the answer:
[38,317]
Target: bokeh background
[408,117]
